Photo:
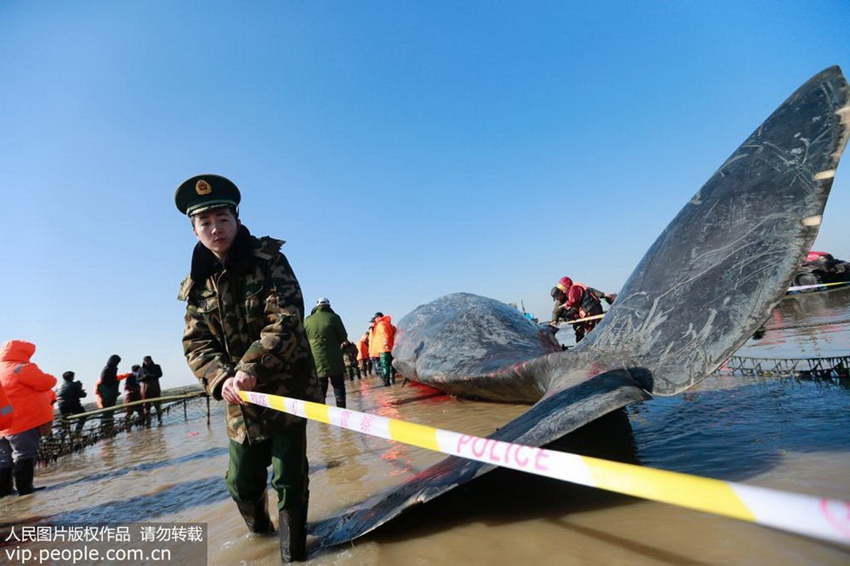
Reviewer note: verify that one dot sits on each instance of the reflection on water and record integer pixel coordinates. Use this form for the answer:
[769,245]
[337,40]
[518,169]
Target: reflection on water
[782,433]
[808,325]
[736,431]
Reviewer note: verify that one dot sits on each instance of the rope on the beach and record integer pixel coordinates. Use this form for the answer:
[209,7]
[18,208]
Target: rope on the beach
[829,367]
[821,518]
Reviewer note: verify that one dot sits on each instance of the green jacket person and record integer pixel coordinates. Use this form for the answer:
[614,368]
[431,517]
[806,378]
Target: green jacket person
[326,333]
[244,331]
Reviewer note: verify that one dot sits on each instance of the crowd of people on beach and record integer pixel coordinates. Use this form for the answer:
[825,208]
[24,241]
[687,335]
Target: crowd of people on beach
[336,358]
[29,403]
[141,383]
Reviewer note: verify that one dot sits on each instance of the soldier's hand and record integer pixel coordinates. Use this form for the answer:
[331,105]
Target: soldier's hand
[233,385]
[228,392]
[245,381]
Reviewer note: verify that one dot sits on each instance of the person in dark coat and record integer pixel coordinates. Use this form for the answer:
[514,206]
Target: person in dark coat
[107,391]
[69,395]
[107,387]
[149,376]
[326,334]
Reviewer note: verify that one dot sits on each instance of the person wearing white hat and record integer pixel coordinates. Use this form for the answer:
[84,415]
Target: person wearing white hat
[326,333]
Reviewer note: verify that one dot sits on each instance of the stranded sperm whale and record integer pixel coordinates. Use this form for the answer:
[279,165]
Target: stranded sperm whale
[706,284]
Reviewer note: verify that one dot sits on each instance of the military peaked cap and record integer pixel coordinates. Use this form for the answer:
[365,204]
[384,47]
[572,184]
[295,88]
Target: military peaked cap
[205,192]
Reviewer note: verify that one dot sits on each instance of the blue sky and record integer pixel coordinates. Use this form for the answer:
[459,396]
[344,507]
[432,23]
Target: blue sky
[403,149]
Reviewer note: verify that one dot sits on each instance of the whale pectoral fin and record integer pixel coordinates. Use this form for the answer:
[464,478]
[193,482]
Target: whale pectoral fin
[545,422]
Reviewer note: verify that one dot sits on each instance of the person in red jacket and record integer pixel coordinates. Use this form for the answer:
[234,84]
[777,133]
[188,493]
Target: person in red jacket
[28,389]
[374,350]
[363,355]
[577,300]
[7,415]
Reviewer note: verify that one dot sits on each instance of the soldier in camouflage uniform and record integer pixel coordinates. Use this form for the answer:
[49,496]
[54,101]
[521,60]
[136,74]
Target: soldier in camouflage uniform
[349,356]
[244,332]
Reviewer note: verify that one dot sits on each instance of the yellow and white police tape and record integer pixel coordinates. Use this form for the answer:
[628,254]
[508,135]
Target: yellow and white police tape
[578,320]
[798,288]
[827,519]
[585,319]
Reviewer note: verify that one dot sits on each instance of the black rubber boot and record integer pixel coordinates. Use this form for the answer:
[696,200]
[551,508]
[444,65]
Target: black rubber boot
[256,515]
[340,401]
[24,474]
[5,482]
[293,534]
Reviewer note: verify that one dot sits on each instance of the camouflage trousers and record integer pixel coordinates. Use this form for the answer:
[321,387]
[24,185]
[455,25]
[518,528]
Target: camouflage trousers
[352,371]
[366,367]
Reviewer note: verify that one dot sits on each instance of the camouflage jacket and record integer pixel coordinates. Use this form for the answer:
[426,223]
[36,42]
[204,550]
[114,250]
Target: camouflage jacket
[247,315]
[349,354]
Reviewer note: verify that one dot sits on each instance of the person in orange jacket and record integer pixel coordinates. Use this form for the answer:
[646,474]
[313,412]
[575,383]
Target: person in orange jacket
[363,355]
[28,390]
[374,351]
[7,415]
[384,337]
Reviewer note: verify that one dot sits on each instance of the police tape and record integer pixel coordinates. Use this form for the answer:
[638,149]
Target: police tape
[585,319]
[798,288]
[821,518]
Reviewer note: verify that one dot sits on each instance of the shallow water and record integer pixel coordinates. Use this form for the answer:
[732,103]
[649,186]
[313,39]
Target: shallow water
[778,432]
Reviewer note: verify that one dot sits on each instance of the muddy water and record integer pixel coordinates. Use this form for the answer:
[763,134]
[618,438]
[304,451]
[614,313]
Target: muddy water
[784,433]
